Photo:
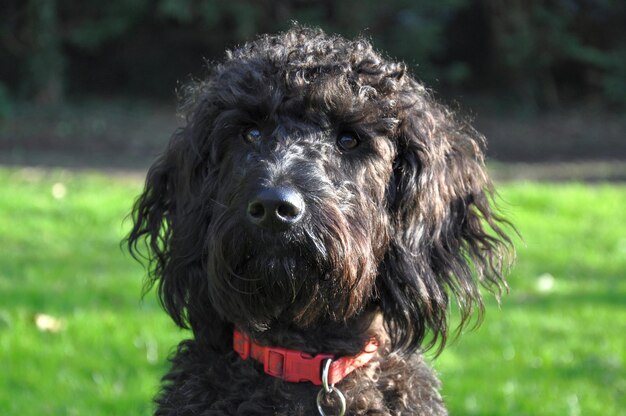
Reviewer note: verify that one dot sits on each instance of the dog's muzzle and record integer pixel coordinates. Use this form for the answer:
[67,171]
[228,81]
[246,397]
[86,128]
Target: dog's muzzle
[276,209]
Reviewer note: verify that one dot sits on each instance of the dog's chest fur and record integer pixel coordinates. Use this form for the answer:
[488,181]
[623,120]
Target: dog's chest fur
[204,382]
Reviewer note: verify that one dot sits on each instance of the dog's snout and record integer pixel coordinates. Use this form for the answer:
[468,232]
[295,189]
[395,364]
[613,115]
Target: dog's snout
[276,208]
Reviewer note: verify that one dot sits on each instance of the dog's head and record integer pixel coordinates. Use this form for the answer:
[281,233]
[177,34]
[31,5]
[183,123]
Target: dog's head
[313,180]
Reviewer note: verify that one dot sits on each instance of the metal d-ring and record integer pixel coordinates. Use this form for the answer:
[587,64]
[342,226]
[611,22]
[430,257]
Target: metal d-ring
[326,389]
[325,370]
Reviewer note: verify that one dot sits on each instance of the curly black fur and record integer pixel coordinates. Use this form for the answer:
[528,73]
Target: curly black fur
[393,228]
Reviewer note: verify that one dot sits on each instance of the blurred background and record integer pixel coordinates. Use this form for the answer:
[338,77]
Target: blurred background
[91,82]
[88,99]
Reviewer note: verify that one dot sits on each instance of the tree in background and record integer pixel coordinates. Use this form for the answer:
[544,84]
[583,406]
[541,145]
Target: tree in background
[544,52]
[553,48]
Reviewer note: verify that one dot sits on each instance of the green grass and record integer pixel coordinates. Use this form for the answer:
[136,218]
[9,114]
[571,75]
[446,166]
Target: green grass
[62,257]
[556,345]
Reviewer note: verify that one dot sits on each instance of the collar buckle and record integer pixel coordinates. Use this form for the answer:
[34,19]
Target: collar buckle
[294,366]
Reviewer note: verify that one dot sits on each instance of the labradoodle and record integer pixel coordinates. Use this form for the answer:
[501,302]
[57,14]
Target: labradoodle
[311,223]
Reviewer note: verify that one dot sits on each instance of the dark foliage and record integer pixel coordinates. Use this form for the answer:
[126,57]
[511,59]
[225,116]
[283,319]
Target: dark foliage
[542,52]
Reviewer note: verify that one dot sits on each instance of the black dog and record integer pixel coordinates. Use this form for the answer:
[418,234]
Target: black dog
[318,201]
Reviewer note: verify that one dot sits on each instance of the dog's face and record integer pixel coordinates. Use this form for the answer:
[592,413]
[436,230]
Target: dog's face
[313,180]
[298,199]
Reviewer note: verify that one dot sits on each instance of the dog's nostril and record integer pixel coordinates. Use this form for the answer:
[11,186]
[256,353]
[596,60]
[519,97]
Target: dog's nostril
[256,210]
[288,211]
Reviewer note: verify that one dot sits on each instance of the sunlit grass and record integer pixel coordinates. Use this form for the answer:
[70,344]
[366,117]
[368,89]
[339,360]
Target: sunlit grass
[556,345]
[60,255]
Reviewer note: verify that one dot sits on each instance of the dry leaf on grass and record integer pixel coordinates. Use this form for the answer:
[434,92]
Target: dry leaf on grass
[48,323]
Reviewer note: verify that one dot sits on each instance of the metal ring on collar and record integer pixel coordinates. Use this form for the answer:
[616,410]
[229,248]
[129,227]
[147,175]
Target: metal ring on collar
[327,389]
[325,370]
[342,401]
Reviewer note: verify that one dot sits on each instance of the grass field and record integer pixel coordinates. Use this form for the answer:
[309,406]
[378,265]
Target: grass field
[75,338]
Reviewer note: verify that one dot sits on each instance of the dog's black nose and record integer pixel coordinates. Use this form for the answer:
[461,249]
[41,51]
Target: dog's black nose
[276,208]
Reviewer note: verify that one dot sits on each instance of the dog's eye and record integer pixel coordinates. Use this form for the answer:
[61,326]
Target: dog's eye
[251,134]
[347,140]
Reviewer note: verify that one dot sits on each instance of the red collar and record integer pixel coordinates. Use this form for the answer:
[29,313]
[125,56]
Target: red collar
[297,366]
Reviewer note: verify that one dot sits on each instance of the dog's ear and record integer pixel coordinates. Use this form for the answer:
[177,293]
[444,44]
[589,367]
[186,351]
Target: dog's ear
[447,239]
[170,219]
